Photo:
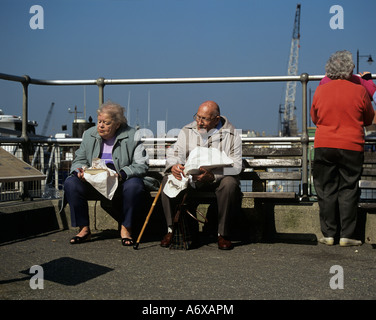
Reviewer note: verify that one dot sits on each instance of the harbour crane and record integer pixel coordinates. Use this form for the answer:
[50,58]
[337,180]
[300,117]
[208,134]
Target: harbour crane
[47,121]
[288,122]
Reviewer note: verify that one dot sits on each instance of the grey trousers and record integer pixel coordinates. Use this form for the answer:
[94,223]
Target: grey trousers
[228,195]
[336,173]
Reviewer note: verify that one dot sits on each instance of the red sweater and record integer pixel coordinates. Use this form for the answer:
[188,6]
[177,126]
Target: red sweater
[340,110]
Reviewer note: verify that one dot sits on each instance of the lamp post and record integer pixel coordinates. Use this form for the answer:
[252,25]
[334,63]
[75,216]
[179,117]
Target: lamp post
[370,60]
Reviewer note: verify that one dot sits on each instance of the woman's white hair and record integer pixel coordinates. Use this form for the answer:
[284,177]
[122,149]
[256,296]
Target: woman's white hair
[340,65]
[114,110]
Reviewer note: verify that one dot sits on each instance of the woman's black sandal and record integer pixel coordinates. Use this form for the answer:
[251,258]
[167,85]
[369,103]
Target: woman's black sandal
[77,239]
[125,240]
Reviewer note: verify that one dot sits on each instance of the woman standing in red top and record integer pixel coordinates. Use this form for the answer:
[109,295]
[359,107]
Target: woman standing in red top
[340,110]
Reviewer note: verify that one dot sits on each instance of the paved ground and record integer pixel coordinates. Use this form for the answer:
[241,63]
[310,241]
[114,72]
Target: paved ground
[103,269]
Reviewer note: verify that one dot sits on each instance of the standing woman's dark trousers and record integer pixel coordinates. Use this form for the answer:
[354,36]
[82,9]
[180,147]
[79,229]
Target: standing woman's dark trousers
[78,192]
[336,174]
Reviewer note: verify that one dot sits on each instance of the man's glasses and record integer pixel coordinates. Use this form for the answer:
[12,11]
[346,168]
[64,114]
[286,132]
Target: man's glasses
[198,118]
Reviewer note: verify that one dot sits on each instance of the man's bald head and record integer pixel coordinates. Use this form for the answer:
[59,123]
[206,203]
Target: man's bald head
[211,107]
[208,115]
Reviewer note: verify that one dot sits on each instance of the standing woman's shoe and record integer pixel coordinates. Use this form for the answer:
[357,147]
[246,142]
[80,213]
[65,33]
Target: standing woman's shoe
[329,241]
[346,242]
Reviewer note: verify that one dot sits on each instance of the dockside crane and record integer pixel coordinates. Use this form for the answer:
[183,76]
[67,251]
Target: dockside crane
[48,118]
[288,121]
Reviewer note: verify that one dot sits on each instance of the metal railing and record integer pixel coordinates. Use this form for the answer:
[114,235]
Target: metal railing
[25,140]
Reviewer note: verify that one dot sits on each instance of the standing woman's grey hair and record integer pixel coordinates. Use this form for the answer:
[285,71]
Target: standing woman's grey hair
[115,111]
[340,65]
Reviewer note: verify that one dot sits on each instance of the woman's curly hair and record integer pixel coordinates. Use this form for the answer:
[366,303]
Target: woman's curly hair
[115,111]
[340,65]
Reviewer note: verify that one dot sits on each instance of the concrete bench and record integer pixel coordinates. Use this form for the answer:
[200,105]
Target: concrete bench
[267,210]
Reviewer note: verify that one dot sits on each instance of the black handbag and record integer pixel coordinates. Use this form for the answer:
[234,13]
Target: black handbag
[185,227]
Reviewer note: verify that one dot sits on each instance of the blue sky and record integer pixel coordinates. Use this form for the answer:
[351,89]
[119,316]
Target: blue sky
[120,39]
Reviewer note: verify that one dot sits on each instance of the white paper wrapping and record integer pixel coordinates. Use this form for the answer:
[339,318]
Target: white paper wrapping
[208,158]
[105,181]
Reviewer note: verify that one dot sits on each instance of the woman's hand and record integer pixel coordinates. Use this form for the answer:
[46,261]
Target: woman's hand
[366,75]
[80,174]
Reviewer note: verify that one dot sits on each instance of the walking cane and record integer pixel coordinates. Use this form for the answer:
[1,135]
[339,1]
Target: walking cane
[135,246]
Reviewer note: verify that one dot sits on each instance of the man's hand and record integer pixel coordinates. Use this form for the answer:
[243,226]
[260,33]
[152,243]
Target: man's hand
[177,170]
[204,176]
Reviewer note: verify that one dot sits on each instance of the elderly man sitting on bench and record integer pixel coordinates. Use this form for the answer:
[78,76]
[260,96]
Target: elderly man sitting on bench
[210,129]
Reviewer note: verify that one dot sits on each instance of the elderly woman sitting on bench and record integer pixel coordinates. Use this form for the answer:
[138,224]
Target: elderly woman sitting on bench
[112,140]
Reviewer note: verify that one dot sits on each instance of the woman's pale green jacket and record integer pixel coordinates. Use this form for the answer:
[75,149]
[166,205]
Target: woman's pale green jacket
[128,152]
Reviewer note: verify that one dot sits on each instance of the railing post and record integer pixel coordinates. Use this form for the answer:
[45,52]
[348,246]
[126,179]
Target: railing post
[305,139]
[100,84]
[25,104]
[57,165]
[26,143]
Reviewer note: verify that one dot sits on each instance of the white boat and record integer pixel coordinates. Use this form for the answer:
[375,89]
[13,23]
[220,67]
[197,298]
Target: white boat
[11,125]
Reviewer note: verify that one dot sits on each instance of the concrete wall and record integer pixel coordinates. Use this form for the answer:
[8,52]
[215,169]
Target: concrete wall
[284,222]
